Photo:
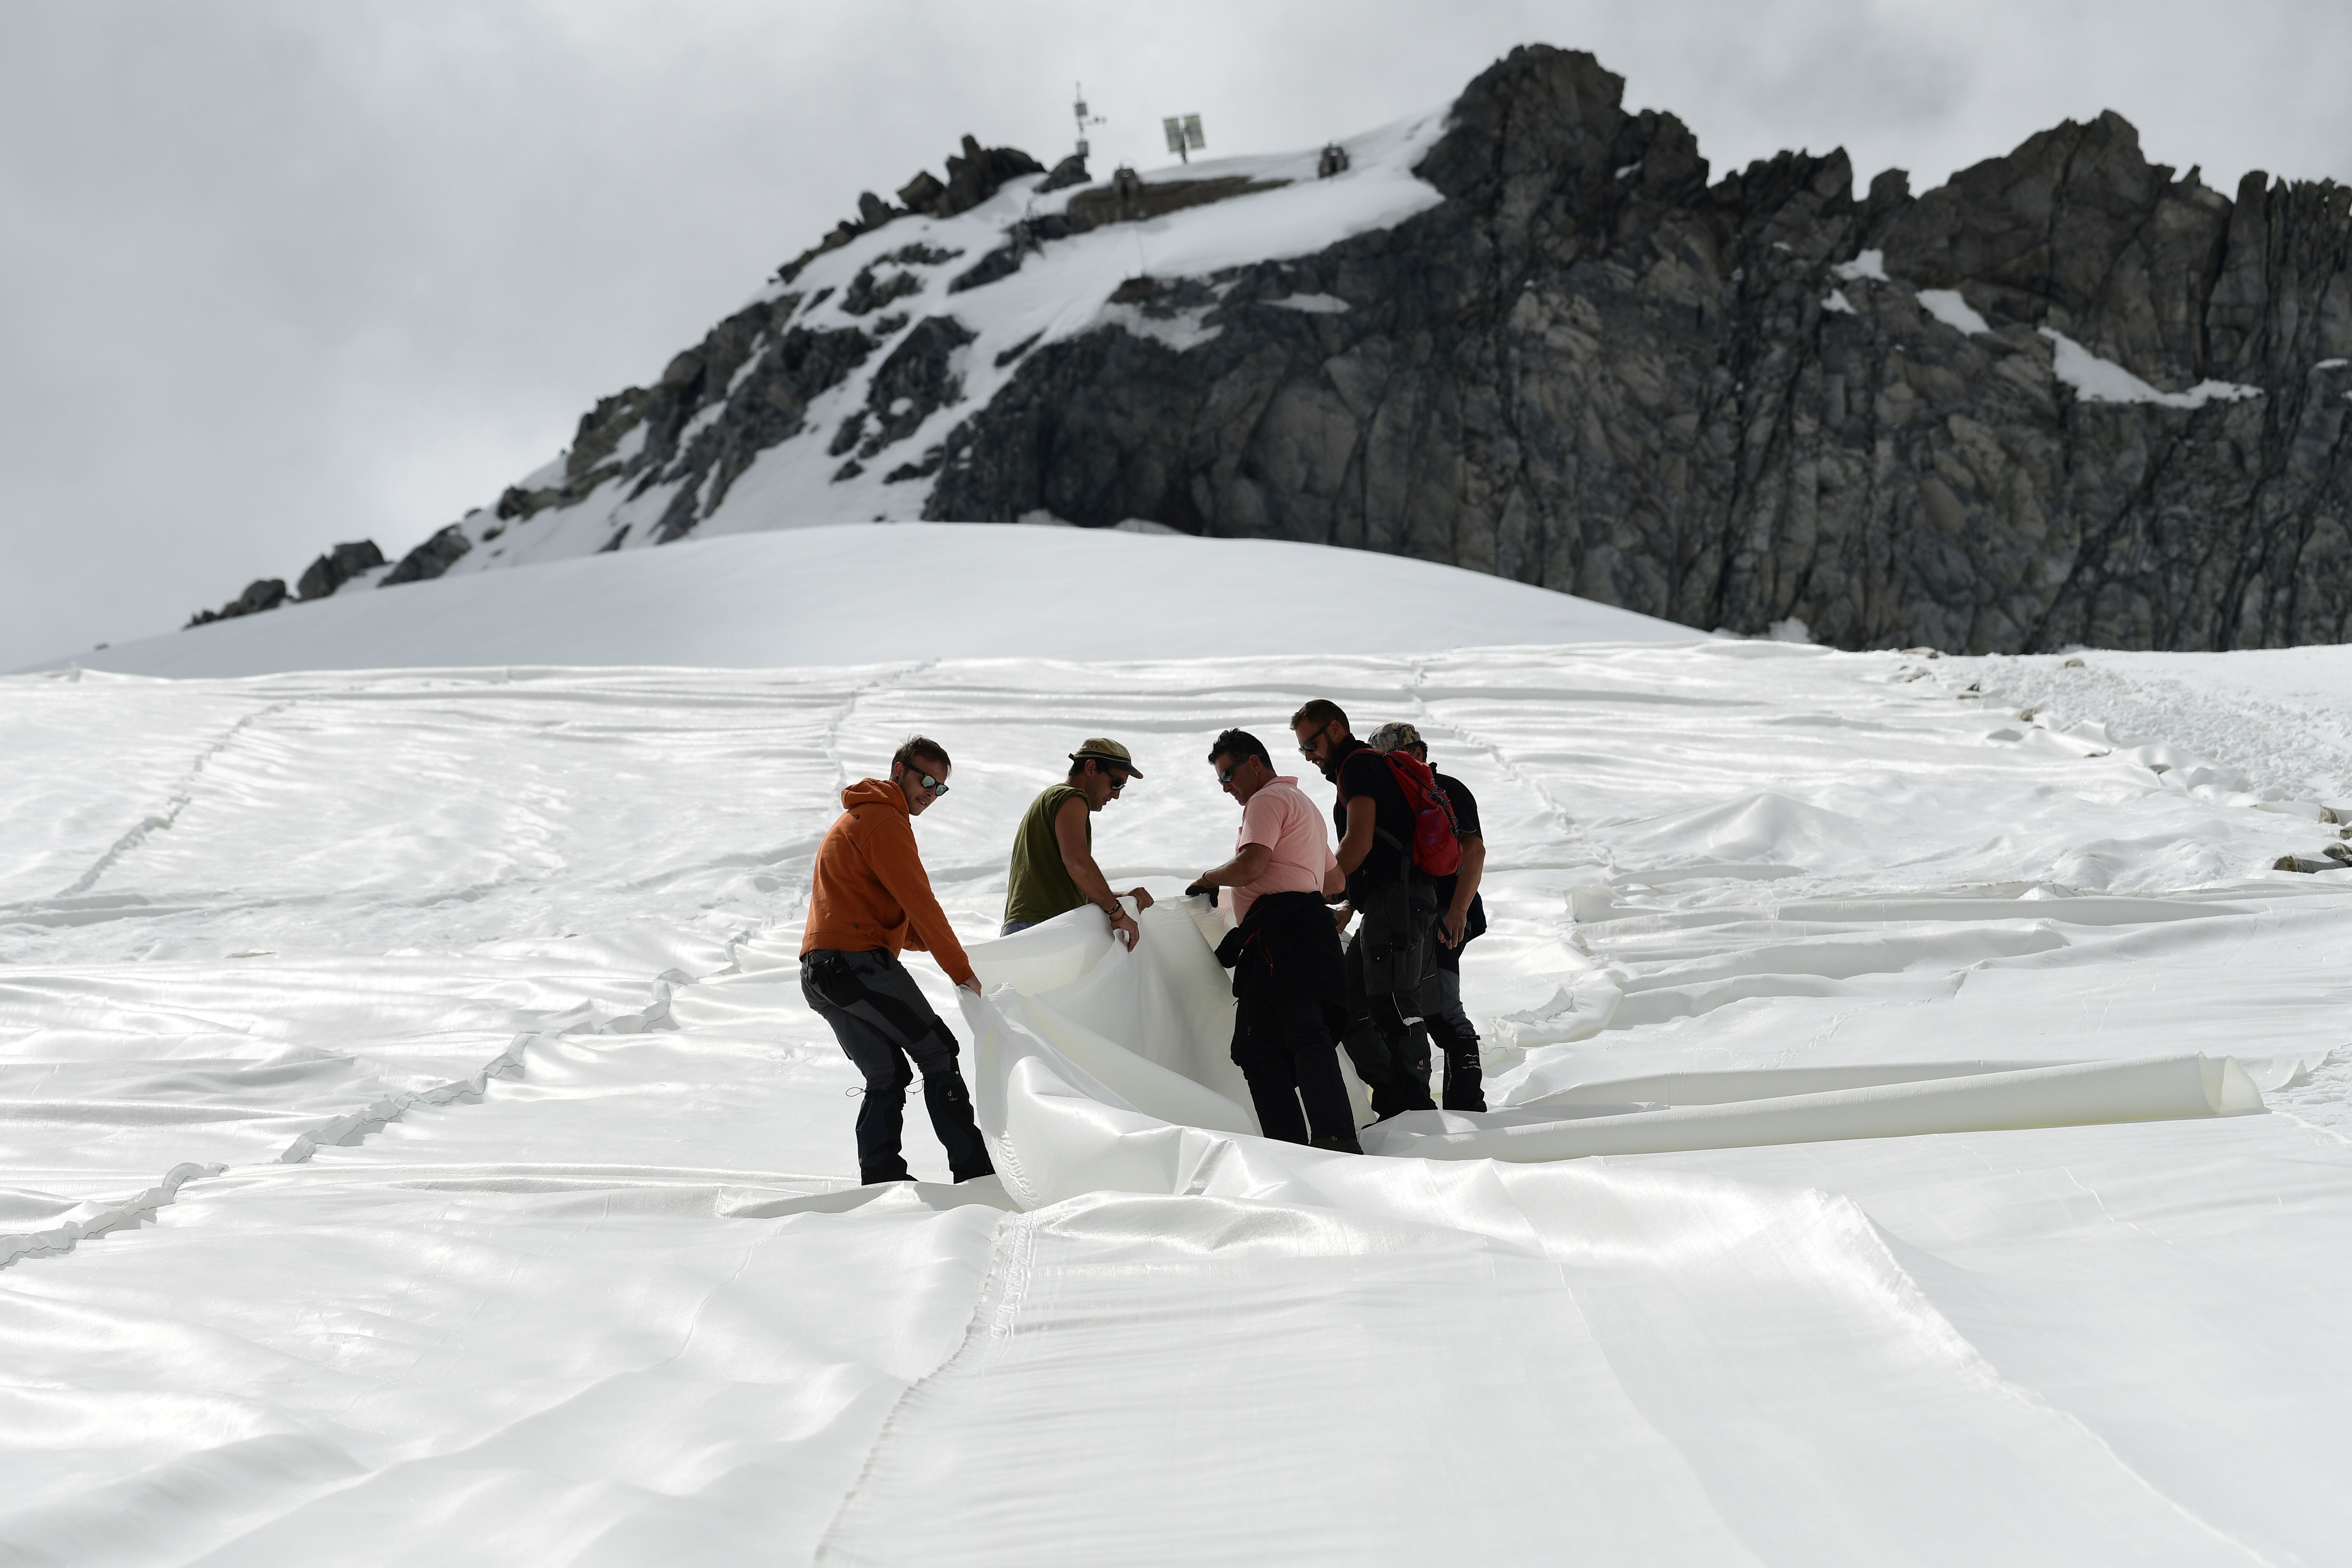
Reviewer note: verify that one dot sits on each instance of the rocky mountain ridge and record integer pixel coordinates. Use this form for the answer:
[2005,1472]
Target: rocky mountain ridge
[2067,398]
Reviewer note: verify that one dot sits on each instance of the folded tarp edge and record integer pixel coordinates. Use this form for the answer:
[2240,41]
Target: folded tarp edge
[2076,1094]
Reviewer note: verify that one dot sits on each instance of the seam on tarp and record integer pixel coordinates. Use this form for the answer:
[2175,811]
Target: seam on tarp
[1569,829]
[1010,1258]
[1910,1293]
[132,1211]
[352,1127]
[830,742]
[2303,1121]
[182,794]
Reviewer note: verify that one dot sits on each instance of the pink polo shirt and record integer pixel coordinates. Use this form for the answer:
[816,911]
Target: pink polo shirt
[1291,827]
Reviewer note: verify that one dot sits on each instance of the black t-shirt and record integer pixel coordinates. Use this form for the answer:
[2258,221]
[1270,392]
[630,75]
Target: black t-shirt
[1365,771]
[1466,818]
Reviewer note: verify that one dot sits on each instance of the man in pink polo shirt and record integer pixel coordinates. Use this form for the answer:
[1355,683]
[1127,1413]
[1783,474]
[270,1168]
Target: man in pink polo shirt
[1290,974]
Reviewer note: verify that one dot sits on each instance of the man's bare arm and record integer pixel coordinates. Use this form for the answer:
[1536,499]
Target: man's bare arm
[1070,838]
[1465,888]
[1247,866]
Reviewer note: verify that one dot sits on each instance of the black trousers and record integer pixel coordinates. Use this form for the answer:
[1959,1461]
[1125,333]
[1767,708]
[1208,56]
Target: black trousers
[881,1020]
[1388,962]
[1282,1043]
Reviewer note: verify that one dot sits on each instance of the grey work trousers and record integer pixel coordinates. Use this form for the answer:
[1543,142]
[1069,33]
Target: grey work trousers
[1388,963]
[882,1020]
[1450,1027]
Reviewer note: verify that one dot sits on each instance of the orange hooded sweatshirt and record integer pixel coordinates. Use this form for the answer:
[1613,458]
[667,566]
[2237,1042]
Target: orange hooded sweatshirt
[869,890]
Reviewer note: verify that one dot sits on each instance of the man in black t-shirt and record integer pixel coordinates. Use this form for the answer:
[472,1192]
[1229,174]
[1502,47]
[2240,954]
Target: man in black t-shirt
[1388,958]
[1461,916]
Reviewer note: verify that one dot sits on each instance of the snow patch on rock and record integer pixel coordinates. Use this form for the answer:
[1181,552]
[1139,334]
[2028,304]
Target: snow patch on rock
[1946,306]
[2097,380]
[1870,264]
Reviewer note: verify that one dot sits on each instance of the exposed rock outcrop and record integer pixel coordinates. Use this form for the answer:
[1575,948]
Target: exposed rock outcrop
[975,174]
[2067,398]
[1731,404]
[432,558]
[262,593]
[1070,171]
[1135,201]
[339,566]
[647,440]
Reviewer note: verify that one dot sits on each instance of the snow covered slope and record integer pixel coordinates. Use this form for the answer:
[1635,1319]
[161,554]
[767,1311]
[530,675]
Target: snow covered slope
[834,405]
[835,595]
[416,1148]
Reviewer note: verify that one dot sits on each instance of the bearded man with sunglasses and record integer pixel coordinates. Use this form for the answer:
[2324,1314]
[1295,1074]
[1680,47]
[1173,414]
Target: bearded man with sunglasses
[1388,958]
[1054,871]
[870,898]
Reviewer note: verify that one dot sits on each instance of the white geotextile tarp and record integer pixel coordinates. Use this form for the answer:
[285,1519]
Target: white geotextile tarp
[1661,1337]
[1103,1069]
[624,1305]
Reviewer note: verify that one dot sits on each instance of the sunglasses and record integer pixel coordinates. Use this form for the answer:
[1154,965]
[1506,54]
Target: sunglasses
[1225,775]
[935,787]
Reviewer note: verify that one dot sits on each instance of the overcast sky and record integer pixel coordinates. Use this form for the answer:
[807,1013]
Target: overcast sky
[279,273]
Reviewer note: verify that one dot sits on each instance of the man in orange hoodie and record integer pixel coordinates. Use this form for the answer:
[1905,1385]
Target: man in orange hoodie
[870,898]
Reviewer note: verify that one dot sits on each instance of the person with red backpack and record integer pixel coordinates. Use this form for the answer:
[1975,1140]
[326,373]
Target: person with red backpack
[1461,916]
[1395,829]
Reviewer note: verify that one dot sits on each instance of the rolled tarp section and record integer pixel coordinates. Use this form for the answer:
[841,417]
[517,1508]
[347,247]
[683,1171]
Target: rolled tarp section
[1083,1045]
[2072,1095]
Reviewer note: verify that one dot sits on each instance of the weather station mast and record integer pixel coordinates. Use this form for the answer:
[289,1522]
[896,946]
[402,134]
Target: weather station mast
[1078,109]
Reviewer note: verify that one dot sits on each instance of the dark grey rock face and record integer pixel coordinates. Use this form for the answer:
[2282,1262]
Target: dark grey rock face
[973,176]
[1590,368]
[767,408]
[976,175]
[1725,402]
[262,593]
[916,381]
[339,566]
[865,295]
[430,559]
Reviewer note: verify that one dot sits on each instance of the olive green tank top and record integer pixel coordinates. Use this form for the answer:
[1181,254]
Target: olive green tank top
[1039,886]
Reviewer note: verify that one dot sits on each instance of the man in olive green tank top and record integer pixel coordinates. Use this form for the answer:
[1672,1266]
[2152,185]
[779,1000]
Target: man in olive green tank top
[1053,868]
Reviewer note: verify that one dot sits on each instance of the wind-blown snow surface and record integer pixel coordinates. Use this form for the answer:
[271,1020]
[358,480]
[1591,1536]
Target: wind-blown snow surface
[419,1150]
[832,595]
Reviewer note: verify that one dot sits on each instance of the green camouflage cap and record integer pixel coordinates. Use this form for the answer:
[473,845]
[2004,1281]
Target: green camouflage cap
[1105,751]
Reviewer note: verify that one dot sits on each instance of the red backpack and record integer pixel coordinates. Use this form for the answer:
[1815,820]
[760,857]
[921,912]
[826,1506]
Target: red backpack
[1436,835]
